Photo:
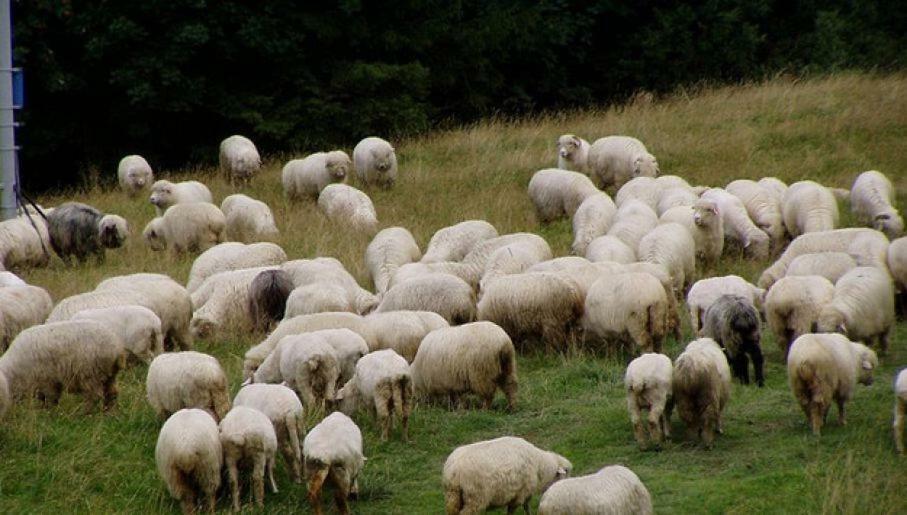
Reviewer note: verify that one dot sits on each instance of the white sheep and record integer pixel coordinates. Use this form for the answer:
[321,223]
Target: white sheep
[281,405]
[189,458]
[471,273]
[317,298]
[896,259]
[10,279]
[453,243]
[610,248]
[383,385]
[444,294]
[307,177]
[248,220]
[612,490]
[705,224]
[559,264]
[792,307]
[705,292]
[900,409]
[375,162]
[476,358]
[138,327]
[348,206]
[188,379]
[671,246]
[862,307]
[333,451]
[558,193]
[320,270]
[648,382]
[807,206]
[222,302]
[822,368]
[506,471]
[239,159]
[830,265]
[20,308]
[388,250]
[248,437]
[762,206]
[134,174]
[186,227]
[165,194]
[348,346]
[642,189]
[402,331]
[675,197]
[614,160]
[774,186]
[572,153]
[871,199]
[310,366]
[481,253]
[702,387]
[229,256]
[633,221]
[630,306]
[24,243]
[737,223]
[592,219]
[514,258]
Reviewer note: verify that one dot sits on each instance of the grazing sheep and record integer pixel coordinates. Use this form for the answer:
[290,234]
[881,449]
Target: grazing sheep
[186,227]
[479,256]
[792,307]
[897,265]
[268,296]
[675,197]
[871,201]
[317,298]
[22,244]
[514,258]
[453,243]
[630,306]
[471,273]
[75,230]
[642,189]
[807,206]
[506,471]
[222,301]
[134,174]
[610,248]
[705,224]
[472,358]
[247,437]
[763,208]
[248,220]
[733,322]
[633,221]
[572,153]
[165,194]
[671,246]
[232,256]
[137,326]
[375,162]
[738,225]
[559,264]
[189,458]
[21,307]
[346,205]
[900,408]
[401,331]
[239,159]
[648,383]
[328,270]
[333,451]
[10,279]
[6,399]
[830,265]
[702,387]
[348,346]
[614,160]
[612,490]
[189,379]
[309,176]
[383,385]
[388,250]
[705,292]
[283,408]
[592,219]
[310,366]
[862,307]
[822,368]
[558,193]
[443,294]
[774,187]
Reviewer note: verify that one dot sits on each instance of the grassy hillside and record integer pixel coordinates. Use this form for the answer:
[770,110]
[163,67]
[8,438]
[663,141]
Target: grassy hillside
[58,460]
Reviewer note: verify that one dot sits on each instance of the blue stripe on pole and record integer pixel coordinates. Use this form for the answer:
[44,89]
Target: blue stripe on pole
[18,88]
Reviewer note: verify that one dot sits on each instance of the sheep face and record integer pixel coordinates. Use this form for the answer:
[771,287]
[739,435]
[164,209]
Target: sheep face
[562,469]
[831,320]
[246,165]
[868,363]
[161,194]
[113,230]
[889,223]
[138,178]
[645,166]
[758,246]
[338,166]
[201,327]
[705,213]
[347,398]
[567,145]
[382,159]
[153,235]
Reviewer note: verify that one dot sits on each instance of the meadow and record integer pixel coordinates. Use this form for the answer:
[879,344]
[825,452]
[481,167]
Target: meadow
[767,461]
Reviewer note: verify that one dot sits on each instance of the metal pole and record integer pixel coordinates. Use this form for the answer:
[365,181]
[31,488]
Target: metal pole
[7,127]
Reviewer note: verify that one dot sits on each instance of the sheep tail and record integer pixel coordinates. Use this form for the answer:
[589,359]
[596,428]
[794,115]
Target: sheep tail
[220,400]
[400,393]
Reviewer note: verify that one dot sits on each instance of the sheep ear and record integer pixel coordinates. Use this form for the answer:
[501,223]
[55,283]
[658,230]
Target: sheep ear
[577,141]
[883,216]
[561,473]
[247,382]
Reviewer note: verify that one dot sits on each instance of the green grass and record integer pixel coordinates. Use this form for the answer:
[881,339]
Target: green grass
[58,460]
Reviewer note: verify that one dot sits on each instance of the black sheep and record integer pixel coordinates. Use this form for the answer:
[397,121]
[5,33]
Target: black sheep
[733,322]
[268,295]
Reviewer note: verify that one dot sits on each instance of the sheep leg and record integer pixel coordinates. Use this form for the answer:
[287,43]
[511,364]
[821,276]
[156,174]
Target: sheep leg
[383,415]
[290,452]
[316,481]
[636,420]
[187,505]
[110,392]
[842,416]
[900,413]
[666,418]
[341,482]
[526,506]
[270,467]
[233,474]
[258,479]
[655,427]
[883,342]
[758,364]
[816,417]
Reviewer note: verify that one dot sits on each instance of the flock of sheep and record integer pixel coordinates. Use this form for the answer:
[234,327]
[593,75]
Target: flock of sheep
[449,322]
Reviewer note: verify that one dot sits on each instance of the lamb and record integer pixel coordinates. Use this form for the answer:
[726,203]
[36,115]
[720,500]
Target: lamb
[558,193]
[137,326]
[188,379]
[328,270]
[733,322]
[642,189]
[592,219]
[247,435]
[134,174]
[737,223]
[189,458]
[165,194]
[830,265]
[572,153]
[702,387]
[375,162]
[455,242]
[897,264]
[21,307]
[285,412]
[614,160]
[610,248]
[239,159]
[401,331]
[862,307]
[306,178]
[822,368]
[317,298]
[222,302]
[388,250]
[75,229]
[347,205]
[763,208]
[633,221]
[383,385]
[900,408]
[474,358]
[705,224]
[871,201]
[229,256]
[630,306]
[792,307]
[310,366]
[705,292]
[269,293]
[22,244]
[333,450]
[186,227]
[648,383]
[613,489]
[506,471]
[248,220]
[444,294]
[807,206]
[671,246]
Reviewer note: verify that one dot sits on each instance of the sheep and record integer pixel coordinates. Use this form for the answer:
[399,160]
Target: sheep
[8,279]
[807,206]
[306,178]
[506,471]
[229,256]
[165,194]
[186,227]
[455,242]
[239,159]
[247,435]
[482,252]
[737,223]
[822,368]
[671,246]
[900,408]
[474,358]
[862,307]
[513,258]
[559,264]
[642,189]
[471,273]
[347,205]
[222,301]
[383,385]
[648,383]
[137,326]
[792,307]
[333,450]
[375,162]
[444,294]
[705,224]
[614,160]
[633,221]
[401,331]
[896,260]
[774,187]
[610,248]
[558,193]
[134,174]
[75,230]
[630,306]
[540,307]
[304,272]
[572,153]
[867,246]
[702,387]
[613,489]
[21,307]
[189,458]
[675,197]
[733,322]
[310,366]
[592,219]
[269,293]
[871,199]
[705,292]
[281,405]
[248,220]
[317,298]
[830,265]
[5,397]
[24,243]
[348,347]
[188,379]
[763,208]
[388,250]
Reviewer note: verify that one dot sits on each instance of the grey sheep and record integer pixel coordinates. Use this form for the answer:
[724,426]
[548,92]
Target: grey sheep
[77,230]
[733,322]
